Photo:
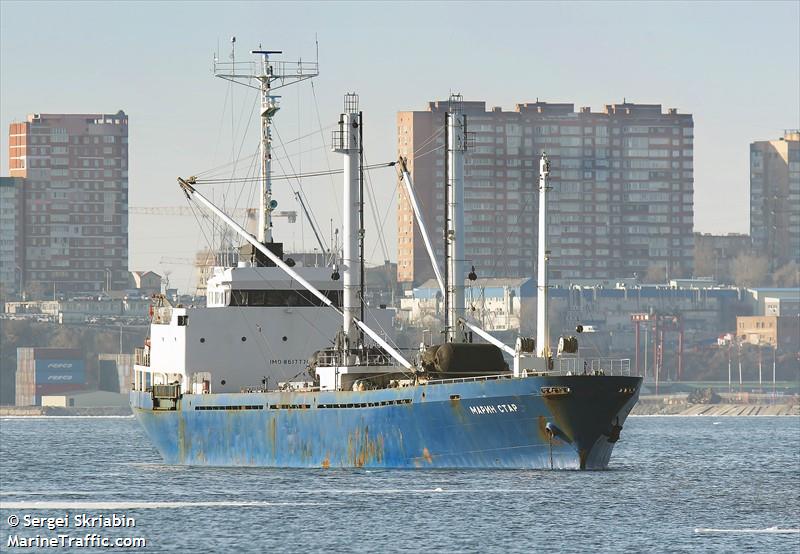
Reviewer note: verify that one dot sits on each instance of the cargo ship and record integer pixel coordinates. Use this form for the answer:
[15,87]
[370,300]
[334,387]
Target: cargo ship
[362,401]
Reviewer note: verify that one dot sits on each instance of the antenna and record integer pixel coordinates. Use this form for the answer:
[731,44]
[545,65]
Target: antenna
[271,75]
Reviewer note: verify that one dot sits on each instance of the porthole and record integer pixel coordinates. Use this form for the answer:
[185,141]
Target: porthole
[202,339]
[222,382]
[284,339]
[244,339]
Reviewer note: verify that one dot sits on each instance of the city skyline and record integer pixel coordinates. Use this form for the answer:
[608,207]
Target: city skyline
[738,76]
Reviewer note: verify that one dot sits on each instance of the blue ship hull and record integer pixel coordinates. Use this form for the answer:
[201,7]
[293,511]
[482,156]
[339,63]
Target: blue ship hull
[533,422]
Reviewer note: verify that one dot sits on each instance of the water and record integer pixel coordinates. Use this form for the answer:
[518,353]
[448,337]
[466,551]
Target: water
[677,484]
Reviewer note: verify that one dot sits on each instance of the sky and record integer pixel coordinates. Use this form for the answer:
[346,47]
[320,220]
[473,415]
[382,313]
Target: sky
[734,65]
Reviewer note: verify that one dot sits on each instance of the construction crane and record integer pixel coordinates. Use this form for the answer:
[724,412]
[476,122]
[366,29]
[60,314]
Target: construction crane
[250,213]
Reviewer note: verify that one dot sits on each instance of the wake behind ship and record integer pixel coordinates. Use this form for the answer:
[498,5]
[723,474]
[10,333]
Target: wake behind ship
[362,402]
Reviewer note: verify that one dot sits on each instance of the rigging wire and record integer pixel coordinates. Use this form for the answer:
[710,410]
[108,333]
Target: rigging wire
[374,210]
[221,121]
[429,140]
[217,170]
[286,176]
[296,176]
[385,216]
[431,151]
[327,161]
[222,166]
[241,145]
[251,171]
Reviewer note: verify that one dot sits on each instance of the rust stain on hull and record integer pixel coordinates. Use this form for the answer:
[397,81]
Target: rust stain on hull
[361,448]
[272,432]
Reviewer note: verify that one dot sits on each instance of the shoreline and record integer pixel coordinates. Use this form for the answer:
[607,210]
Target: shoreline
[671,407]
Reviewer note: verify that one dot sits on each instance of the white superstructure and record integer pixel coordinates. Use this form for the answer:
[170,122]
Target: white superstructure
[258,328]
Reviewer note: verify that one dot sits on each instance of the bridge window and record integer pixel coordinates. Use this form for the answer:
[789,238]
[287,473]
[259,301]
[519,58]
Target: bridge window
[282,298]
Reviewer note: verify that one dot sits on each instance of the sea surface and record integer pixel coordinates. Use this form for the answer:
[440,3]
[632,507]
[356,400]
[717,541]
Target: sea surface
[676,484]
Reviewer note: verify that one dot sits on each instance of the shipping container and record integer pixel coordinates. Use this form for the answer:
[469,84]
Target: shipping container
[47,367]
[57,353]
[43,390]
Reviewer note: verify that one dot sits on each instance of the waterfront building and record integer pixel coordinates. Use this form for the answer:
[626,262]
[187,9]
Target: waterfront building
[75,215]
[769,330]
[507,308]
[622,201]
[775,198]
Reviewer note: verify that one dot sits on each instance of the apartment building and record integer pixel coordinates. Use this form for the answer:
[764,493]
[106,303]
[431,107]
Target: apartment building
[75,216]
[775,198]
[11,235]
[622,201]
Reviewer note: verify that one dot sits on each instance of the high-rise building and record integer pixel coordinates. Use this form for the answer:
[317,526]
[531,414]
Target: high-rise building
[11,235]
[622,201]
[775,198]
[75,216]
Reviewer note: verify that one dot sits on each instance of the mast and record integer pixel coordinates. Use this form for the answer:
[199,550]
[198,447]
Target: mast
[542,330]
[269,106]
[454,234]
[347,141]
[266,72]
[361,231]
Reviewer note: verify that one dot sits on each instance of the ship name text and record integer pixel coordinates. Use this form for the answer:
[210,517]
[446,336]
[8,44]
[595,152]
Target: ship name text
[493,409]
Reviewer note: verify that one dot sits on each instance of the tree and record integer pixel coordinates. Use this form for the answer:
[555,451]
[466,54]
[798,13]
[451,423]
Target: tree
[35,290]
[749,270]
[704,260]
[787,276]
[655,274]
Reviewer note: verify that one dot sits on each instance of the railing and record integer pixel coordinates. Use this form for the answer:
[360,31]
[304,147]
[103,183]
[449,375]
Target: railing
[166,391]
[142,356]
[340,140]
[470,379]
[588,366]
[561,366]
[363,357]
